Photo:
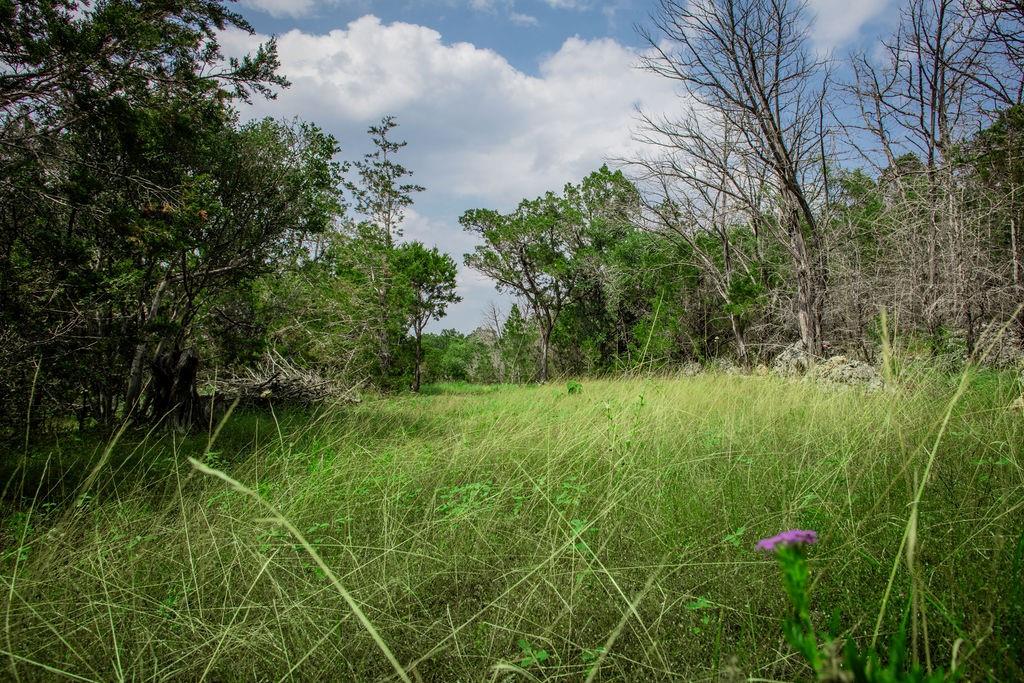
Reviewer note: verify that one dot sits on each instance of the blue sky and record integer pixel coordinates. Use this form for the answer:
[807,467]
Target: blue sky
[521,31]
[498,99]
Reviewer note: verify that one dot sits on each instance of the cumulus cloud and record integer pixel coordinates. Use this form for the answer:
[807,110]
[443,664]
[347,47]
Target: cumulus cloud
[481,132]
[839,21]
[479,128]
[569,4]
[506,7]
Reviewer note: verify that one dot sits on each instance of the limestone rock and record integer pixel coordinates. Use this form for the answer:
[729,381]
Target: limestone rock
[726,366]
[1004,351]
[690,369]
[843,370]
[794,361]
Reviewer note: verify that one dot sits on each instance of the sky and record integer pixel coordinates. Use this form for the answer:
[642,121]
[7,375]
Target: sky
[499,100]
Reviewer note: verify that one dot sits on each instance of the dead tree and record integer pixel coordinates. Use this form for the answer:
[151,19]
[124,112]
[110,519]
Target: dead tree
[749,62]
[700,189]
[935,83]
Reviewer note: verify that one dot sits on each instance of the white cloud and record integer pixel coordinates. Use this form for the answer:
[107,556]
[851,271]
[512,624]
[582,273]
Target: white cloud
[506,7]
[481,132]
[282,8]
[839,21]
[478,127]
[522,19]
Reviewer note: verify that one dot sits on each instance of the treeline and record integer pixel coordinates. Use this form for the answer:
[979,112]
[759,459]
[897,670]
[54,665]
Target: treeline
[785,203]
[154,249]
[149,240]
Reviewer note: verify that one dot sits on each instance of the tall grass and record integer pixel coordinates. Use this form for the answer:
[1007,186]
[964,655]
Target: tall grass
[523,532]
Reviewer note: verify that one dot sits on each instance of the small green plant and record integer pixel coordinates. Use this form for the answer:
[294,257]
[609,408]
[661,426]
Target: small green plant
[580,529]
[856,665]
[459,501]
[215,459]
[735,538]
[530,655]
[574,387]
[570,496]
[698,604]
[591,657]
[700,609]
[168,607]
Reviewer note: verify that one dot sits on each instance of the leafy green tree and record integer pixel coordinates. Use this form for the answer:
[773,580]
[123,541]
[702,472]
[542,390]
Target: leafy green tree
[380,196]
[132,198]
[270,187]
[518,340]
[605,208]
[428,277]
[453,356]
[527,253]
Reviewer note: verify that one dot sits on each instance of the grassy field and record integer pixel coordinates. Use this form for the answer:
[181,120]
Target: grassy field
[524,533]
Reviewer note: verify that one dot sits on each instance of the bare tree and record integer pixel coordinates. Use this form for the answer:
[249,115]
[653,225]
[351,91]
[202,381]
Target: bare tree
[935,83]
[750,63]
[700,189]
[1001,73]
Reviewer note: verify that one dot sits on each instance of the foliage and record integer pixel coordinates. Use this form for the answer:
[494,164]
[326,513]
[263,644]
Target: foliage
[133,197]
[427,279]
[147,238]
[455,357]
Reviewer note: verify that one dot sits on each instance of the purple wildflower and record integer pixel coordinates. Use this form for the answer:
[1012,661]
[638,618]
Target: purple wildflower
[787,538]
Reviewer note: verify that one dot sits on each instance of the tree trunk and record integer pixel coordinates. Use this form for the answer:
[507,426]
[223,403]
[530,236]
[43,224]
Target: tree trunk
[807,316]
[173,389]
[1015,255]
[741,343]
[134,390]
[1018,285]
[545,335]
[808,304]
[419,361]
[972,332]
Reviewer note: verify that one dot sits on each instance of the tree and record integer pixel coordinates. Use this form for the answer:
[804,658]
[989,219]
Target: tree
[527,253]
[749,62]
[381,197]
[428,276]
[945,72]
[455,357]
[702,190]
[270,187]
[132,199]
[604,215]
[517,344]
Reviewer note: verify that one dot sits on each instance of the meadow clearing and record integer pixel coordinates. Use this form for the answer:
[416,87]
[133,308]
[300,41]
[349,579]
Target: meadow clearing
[555,532]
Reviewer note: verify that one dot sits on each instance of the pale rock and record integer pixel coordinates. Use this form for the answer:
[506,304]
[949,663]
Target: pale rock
[794,361]
[848,371]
